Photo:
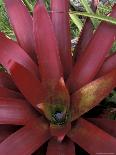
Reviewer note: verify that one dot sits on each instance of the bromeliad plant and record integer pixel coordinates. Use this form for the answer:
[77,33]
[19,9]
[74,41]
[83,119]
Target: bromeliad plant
[44,92]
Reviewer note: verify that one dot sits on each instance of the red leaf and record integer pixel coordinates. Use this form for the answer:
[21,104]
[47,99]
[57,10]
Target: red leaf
[64,148]
[7,93]
[91,94]
[27,83]
[6,81]
[85,36]
[92,59]
[57,100]
[26,140]
[105,124]
[109,64]
[11,50]
[60,131]
[22,24]
[5,131]
[60,20]
[91,138]
[94,5]
[14,111]
[46,46]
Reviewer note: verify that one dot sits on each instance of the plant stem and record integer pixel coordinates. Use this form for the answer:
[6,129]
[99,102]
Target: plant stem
[96,16]
[88,9]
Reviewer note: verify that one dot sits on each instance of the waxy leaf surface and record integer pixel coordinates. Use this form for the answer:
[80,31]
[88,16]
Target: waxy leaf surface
[46,47]
[26,140]
[11,50]
[91,94]
[107,125]
[60,19]
[22,24]
[92,59]
[14,111]
[92,138]
[27,83]
[56,148]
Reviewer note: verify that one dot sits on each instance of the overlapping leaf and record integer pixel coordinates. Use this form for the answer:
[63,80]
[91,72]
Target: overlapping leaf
[92,59]
[92,138]
[22,24]
[91,94]
[46,47]
[60,19]
[26,140]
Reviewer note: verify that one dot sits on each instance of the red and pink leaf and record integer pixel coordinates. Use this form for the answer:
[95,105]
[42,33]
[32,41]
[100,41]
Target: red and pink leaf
[6,81]
[7,93]
[60,19]
[92,94]
[26,140]
[107,125]
[92,59]
[91,138]
[6,130]
[60,131]
[14,111]
[11,50]
[46,46]
[22,24]
[27,83]
[109,64]
[85,36]
[64,148]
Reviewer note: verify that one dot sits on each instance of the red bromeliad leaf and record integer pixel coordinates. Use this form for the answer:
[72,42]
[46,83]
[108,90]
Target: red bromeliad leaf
[5,131]
[60,131]
[46,47]
[109,64]
[61,93]
[57,102]
[60,20]
[14,111]
[22,24]
[26,140]
[105,124]
[85,37]
[91,94]
[86,34]
[92,59]
[91,138]
[11,50]
[94,5]
[64,148]
[7,93]
[6,81]
[2,34]
[27,83]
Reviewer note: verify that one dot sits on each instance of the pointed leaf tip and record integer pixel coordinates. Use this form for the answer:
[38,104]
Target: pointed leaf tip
[60,19]
[22,24]
[46,47]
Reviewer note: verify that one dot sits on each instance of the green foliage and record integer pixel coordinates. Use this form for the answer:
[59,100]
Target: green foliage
[4,22]
[103,9]
[96,16]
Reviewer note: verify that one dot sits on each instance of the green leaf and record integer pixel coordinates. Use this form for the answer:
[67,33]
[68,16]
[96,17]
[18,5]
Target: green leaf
[96,16]
[77,21]
[88,9]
